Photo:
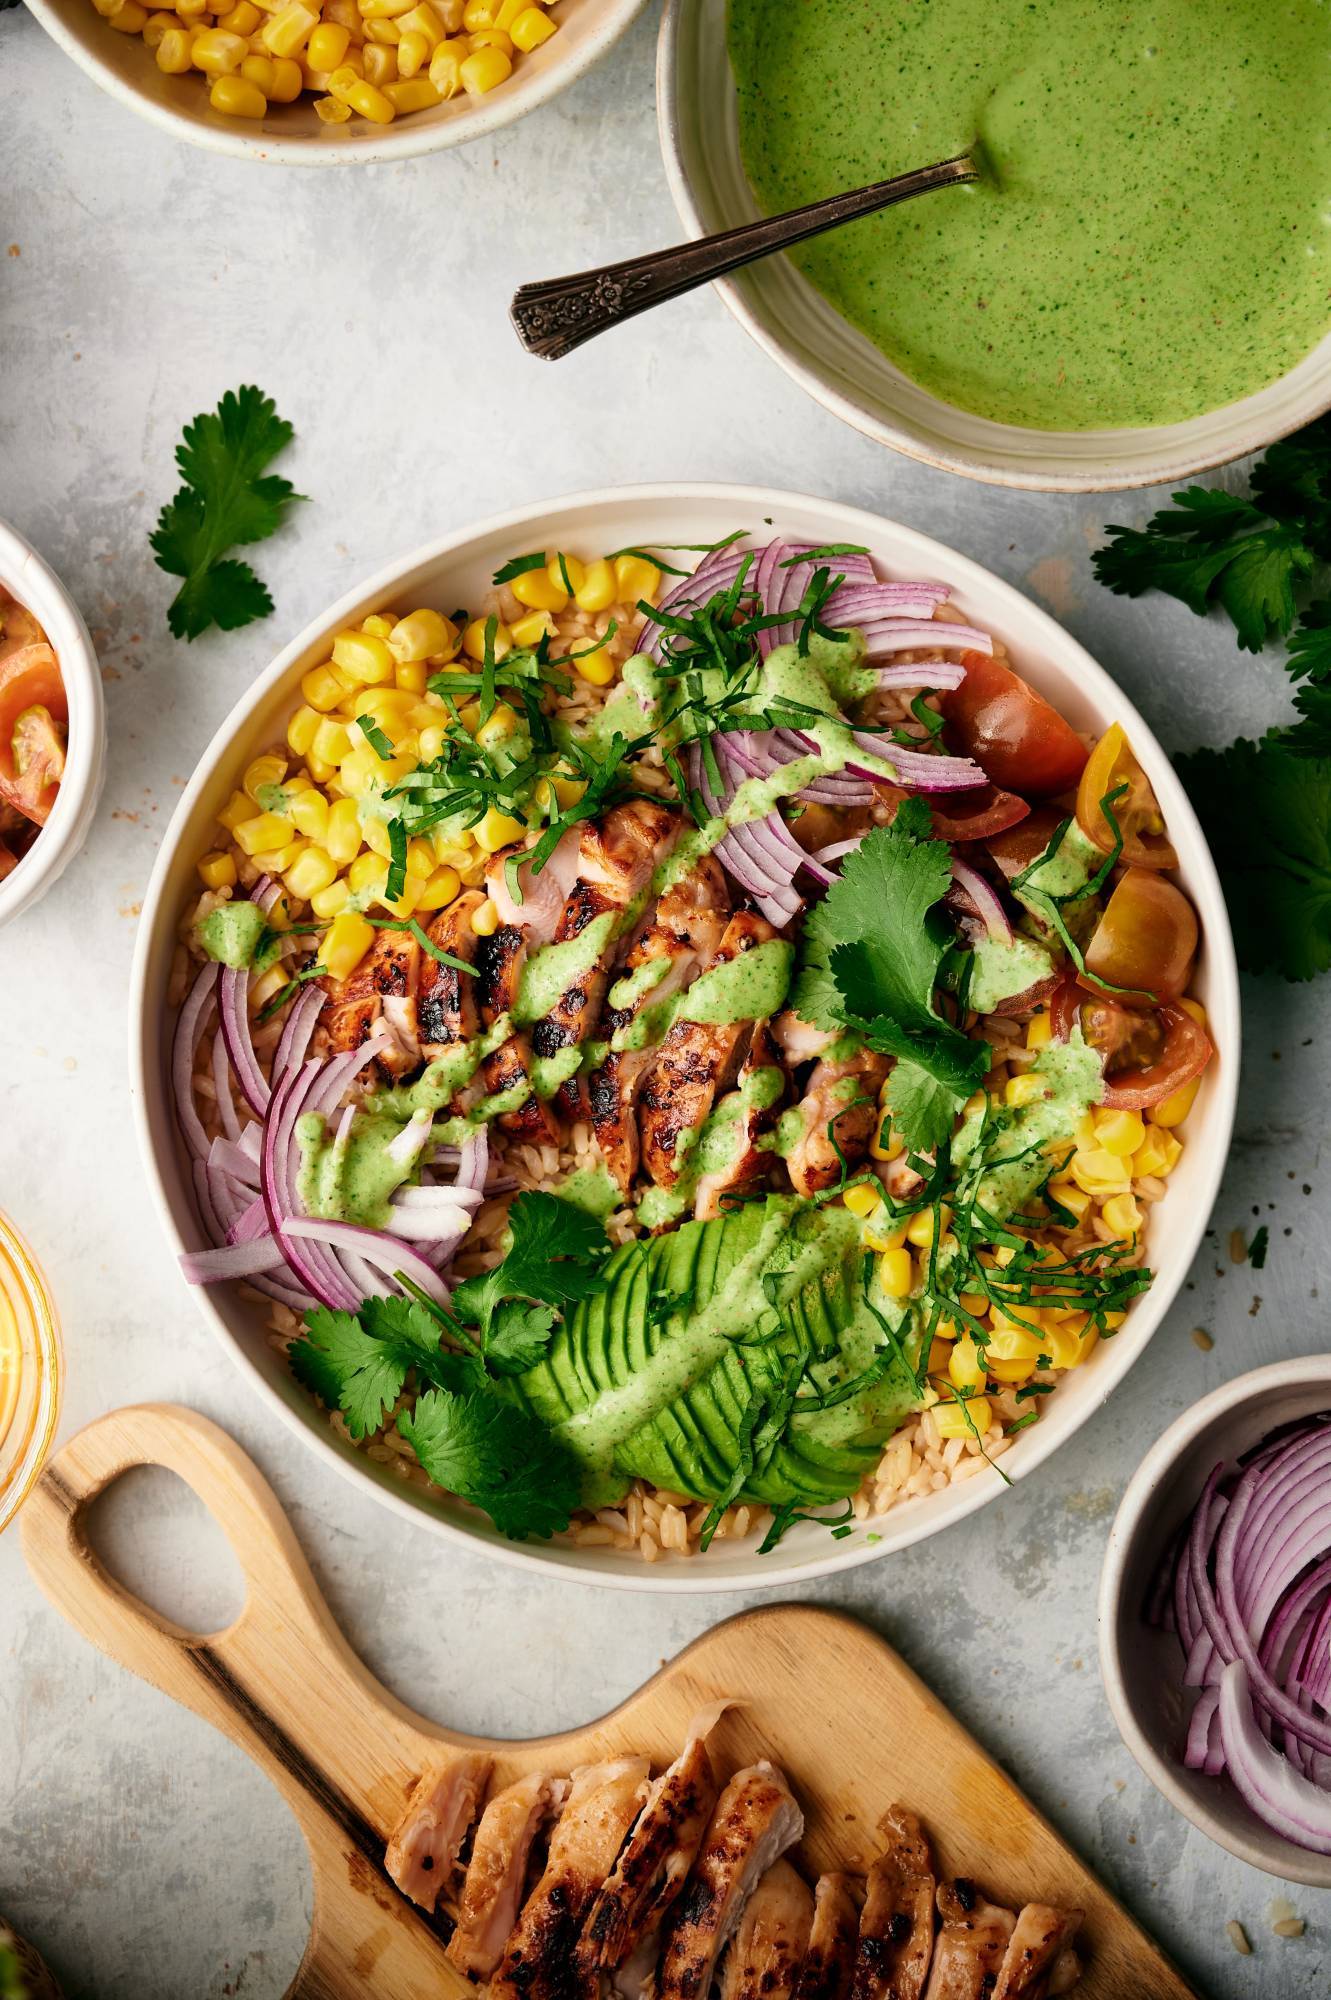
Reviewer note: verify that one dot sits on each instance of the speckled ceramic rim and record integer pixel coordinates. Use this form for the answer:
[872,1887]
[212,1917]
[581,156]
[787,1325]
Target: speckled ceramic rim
[31,580]
[22,1457]
[460,564]
[841,368]
[126,69]
[1148,1515]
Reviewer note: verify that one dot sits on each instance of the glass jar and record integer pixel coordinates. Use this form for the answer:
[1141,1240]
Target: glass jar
[30,1371]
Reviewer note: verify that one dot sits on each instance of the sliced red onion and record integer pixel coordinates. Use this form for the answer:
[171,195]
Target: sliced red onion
[474,1162]
[405,1151]
[900,635]
[1199,1754]
[420,1225]
[235,1160]
[233,1002]
[232,1260]
[1280,1797]
[226,1103]
[919,770]
[985,898]
[385,1253]
[251,1222]
[838,850]
[944,674]
[297,1032]
[437,1196]
[190,1024]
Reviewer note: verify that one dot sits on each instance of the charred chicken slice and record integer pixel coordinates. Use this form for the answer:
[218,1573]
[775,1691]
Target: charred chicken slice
[755,1821]
[969,1949]
[1039,1960]
[829,1963]
[697,1061]
[427,1840]
[499,963]
[840,1103]
[446,1011]
[538,1961]
[683,936]
[771,1939]
[897,1922]
[656,1859]
[382,989]
[497,1872]
[755,1112]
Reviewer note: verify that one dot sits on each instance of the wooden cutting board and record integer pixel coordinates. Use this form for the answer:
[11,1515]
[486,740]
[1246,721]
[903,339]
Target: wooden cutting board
[821,1695]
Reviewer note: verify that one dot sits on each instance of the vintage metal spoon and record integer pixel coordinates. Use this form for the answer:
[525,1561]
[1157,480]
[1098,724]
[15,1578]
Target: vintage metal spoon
[556,315]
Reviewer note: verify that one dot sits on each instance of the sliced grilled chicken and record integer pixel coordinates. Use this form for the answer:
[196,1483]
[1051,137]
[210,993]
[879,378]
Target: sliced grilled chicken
[755,1821]
[829,1963]
[897,1922]
[695,1063]
[683,936]
[771,1939]
[499,963]
[538,1961]
[840,1102]
[797,1040]
[746,1162]
[497,1872]
[427,1840]
[969,1949]
[1038,1948]
[543,895]
[382,989]
[446,1010]
[654,1864]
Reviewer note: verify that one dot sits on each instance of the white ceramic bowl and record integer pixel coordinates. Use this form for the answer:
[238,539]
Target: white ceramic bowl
[292,133]
[699,130]
[457,570]
[27,577]
[1142,1667]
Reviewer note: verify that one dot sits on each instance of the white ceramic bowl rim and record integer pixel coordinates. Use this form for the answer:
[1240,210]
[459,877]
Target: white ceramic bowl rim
[541,76]
[916,422]
[1243,1835]
[35,584]
[992,600]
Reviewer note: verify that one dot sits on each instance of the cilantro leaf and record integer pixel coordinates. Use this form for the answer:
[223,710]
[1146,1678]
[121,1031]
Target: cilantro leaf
[1293,483]
[1310,645]
[1311,735]
[923,1109]
[519,1335]
[556,1254]
[228,500]
[1267,815]
[496,1456]
[357,1362]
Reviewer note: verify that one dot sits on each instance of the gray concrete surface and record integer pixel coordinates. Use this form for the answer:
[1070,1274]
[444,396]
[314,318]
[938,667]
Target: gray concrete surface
[143,279]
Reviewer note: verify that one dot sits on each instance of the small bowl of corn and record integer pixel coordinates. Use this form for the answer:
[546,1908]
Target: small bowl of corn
[322,82]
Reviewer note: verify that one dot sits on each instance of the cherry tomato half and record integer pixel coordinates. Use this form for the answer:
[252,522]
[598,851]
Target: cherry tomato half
[30,682]
[975,815]
[1147,1056]
[1017,847]
[1146,939]
[1020,740]
[1111,767]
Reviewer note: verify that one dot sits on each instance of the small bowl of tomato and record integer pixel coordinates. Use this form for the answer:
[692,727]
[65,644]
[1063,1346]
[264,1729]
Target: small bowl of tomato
[52,726]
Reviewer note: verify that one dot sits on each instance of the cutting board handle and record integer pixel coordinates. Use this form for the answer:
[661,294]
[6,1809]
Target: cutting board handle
[280,1681]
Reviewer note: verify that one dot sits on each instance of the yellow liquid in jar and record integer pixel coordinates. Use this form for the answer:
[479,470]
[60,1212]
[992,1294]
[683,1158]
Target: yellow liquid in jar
[30,1371]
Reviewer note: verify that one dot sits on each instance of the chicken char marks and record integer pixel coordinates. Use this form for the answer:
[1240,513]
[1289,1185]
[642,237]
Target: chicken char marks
[756,1820]
[499,963]
[382,991]
[897,1922]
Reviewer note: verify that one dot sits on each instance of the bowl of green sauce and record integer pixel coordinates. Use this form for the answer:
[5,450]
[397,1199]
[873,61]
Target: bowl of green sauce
[1139,287]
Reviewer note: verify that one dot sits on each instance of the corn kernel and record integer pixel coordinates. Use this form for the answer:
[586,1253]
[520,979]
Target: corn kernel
[896,1273]
[1025,1089]
[242,19]
[332,740]
[288,30]
[413,54]
[327,45]
[326,903]
[237,808]
[636,578]
[974,1303]
[968,1416]
[920,1228]
[423,20]
[287,81]
[485,919]
[129,18]
[342,836]
[1068,1195]
[262,774]
[266,987]
[861,1200]
[1010,1341]
[301,730]
[157,25]
[420,859]
[264,834]
[540,589]
[331,111]
[308,811]
[530,631]
[1064,1344]
[1196,1010]
[446,68]
[966,1365]
[492,38]
[361,655]
[349,938]
[422,635]
[885,1145]
[1123,1216]
[311,871]
[473,639]
[479,14]
[439,889]
[498,728]
[173,52]
[884,1235]
[530,29]
[597,590]
[367,873]
[1039,1030]
[1158,1154]
[496,830]
[1099,1172]
[412,676]
[218,870]
[1175,1108]
[324,687]
[260,70]
[1119,1132]
[216,53]
[597,667]
[432,741]
[485,70]
[380,67]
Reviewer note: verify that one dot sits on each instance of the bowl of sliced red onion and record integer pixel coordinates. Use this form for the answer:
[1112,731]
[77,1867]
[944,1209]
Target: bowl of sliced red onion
[1215,1618]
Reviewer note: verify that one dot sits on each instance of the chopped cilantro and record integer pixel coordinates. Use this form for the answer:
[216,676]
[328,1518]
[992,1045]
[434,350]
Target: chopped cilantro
[520,566]
[496,1456]
[228,500]
[375,737]
[555,1255]
[358,1362]
[1257,1249]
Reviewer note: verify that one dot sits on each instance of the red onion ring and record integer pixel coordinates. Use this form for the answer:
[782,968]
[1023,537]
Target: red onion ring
[190,1024]
[985,899]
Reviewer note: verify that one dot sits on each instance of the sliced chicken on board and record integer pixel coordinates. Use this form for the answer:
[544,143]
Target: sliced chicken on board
[755,1821]
[427,1840]
[696,1063]
[767,1951]
[382,989]
[446,1010]
[655,1861]
[829,1963]
[497,1872]
[538,1961]
[499,963]
[746,1161]
[969,1949]
[616,859]
[1039,1960]
[897,1922]
[840,1103]
[681,938]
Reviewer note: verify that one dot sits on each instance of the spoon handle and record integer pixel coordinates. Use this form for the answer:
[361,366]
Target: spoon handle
[555,315]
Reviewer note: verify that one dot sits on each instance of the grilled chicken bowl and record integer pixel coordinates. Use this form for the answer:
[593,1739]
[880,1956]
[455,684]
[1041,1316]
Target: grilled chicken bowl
[712,1059]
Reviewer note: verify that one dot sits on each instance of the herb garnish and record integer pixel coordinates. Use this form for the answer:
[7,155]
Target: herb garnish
[227,501]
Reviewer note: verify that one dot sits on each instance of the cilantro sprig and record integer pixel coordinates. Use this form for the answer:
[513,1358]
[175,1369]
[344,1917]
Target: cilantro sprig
[228,501]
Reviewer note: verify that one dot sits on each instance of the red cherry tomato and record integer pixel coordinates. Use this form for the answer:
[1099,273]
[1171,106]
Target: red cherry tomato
[975,815]
[1016,848]
[1147,1057]
[1021,741]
